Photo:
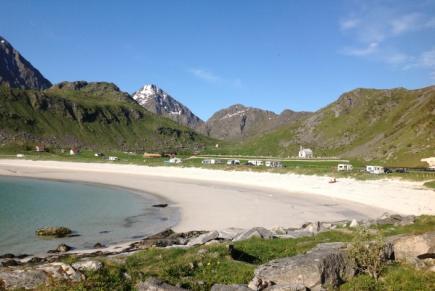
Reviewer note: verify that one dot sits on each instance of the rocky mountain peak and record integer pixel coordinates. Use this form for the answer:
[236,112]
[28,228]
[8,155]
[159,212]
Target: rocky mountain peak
[16,71]
[156,100]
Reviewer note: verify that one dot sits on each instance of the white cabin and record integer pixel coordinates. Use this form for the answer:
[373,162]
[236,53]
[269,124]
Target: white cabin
[175,161]
[256,162]
[375,169]
[430,161]
[344,167]
[305,153]
[273,164]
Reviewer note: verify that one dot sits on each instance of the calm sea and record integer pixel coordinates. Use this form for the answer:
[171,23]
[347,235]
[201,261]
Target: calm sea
[97,213]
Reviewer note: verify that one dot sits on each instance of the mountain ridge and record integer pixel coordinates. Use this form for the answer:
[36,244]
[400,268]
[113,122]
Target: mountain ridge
[18,72]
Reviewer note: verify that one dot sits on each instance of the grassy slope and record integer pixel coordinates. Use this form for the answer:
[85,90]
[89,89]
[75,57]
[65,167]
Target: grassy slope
[92,118]
[198,268]
[394,126]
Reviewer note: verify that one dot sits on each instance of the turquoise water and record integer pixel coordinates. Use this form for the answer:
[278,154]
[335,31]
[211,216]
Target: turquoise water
[98,213]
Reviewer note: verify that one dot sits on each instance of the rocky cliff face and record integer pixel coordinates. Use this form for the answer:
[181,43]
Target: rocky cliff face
[238,122]
[16,71]
[158,101]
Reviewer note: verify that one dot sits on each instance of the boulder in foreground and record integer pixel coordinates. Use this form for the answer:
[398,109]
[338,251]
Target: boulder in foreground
[154,284]
[326,264]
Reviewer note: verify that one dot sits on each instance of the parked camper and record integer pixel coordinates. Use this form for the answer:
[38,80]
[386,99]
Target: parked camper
[233,162]
[375,169]
[174,160]
[208,162]
[344,167]
[255,162]
[98,154]
[273,164]
[20,156]
[112,158]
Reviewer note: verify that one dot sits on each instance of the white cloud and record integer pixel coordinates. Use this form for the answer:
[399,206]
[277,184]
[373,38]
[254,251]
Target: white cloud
[204,75]
[364,51]
[349,23]
[408,22]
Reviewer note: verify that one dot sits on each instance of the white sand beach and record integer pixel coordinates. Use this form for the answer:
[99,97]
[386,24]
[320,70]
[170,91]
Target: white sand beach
[215,199]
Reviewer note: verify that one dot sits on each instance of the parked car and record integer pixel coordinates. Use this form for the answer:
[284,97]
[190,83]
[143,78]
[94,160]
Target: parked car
[387,171]
[401,170]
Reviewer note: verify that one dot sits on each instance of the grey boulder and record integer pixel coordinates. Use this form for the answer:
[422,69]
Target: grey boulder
[326,264]
[154,284]
[233,287]
[259,232]
[203,238]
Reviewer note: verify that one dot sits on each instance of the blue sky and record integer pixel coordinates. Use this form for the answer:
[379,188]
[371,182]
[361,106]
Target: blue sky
[211,54]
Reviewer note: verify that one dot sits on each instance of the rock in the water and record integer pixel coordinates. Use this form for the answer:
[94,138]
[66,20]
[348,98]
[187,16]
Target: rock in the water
[89,265]
[408,248]
[7,256]
[99,245]
[57,231]
[62,248]
[163,205]
[203,238]
[154,284]
[233,287]
[9,263]
[259,232]
[326,264]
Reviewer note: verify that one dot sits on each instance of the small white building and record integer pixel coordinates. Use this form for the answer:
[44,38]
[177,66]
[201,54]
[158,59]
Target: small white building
[273,164]
[40,148]
[174,160]
[208,162]
[305,153]
[430,161]
[375,169]
[113,158]
[233,162]
[344,167]
[256,162]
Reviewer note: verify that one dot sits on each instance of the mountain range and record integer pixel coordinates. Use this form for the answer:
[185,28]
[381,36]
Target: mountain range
[394,125]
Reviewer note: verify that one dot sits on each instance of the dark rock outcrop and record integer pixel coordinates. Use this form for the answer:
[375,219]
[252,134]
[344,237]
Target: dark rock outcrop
[16,71]
[57,231]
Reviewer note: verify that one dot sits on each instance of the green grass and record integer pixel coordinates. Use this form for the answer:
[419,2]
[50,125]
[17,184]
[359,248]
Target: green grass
[198,268]
[394,278]
[430,184]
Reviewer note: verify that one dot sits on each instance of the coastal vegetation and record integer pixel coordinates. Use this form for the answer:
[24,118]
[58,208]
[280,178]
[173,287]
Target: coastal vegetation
[199,268]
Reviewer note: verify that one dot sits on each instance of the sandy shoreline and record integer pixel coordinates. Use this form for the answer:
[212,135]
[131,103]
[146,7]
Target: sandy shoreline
[214,199]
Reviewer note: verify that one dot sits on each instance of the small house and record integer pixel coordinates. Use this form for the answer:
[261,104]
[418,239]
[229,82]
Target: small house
[430,162]
[375,169]
[273,164]
[174,160]
[344,167]
[113,158]
[305,153]
[74,151]
[256,162]
[40,148]
[233,162]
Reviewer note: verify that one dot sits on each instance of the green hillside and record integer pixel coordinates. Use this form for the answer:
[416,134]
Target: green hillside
[90,115]
[395,126]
